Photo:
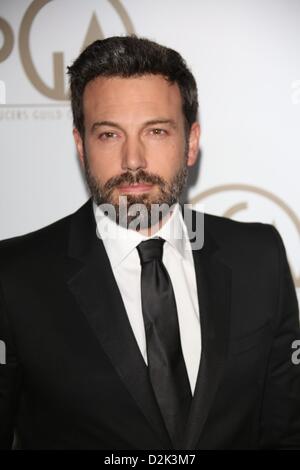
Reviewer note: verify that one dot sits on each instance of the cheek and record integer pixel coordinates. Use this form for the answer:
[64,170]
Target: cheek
[166,154]
[103,164]
[168,159]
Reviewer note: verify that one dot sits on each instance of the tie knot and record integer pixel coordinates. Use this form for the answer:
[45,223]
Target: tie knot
[150,250]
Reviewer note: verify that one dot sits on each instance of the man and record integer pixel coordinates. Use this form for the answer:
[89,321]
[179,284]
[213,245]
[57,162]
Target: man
[119,334]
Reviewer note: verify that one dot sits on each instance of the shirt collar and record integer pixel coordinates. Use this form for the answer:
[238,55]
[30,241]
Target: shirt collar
[119,242]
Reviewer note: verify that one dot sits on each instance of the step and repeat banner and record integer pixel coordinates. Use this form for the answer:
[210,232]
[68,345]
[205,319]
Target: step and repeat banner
[245,55]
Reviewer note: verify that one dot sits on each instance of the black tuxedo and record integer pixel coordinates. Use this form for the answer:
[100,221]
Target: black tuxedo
[74,376]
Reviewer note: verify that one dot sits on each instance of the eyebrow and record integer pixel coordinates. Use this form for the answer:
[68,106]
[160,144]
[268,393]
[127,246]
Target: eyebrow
[152,122]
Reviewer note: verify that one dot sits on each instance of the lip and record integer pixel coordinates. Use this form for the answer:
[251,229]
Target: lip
[136,188]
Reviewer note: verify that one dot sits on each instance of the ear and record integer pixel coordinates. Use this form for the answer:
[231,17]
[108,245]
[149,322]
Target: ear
[193,144]
[79,146]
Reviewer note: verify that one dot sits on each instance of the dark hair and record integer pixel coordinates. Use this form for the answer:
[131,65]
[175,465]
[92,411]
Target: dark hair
[127,56]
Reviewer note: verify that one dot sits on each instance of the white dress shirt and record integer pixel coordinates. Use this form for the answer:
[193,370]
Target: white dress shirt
[120,244]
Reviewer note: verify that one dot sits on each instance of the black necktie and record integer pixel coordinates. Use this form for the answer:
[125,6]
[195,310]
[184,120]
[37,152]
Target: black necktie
[166,366]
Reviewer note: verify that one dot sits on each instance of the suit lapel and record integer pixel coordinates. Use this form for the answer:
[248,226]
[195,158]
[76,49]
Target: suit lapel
[214,288]
[92,283]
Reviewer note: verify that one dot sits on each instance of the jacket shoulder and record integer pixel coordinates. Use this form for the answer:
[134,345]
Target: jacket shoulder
[244,237]
[46,241]
[225,230]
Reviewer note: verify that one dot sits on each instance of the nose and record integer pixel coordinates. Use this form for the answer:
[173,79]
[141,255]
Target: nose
[133,155]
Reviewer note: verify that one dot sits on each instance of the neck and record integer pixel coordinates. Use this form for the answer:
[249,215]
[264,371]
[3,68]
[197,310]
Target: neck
[149,231]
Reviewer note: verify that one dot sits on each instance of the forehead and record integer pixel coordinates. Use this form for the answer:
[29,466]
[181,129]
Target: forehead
[142,95]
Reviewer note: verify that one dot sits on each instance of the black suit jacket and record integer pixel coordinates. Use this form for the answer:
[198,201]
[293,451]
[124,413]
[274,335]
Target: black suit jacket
[74,376]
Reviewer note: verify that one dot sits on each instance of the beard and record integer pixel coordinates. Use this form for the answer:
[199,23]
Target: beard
[137,211]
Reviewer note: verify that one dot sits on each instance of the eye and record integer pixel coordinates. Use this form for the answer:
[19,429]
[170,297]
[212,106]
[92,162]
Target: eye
[109,135]
[158,132]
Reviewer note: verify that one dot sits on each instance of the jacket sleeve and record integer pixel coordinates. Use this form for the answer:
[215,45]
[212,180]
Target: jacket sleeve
[10,379]
[280,414]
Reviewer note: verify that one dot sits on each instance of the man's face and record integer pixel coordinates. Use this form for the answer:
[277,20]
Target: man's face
[135,144]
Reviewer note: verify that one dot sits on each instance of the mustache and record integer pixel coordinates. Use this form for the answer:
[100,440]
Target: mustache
[133,178]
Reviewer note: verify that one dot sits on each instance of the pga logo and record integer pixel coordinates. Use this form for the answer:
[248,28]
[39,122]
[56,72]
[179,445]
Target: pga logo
[2,92]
